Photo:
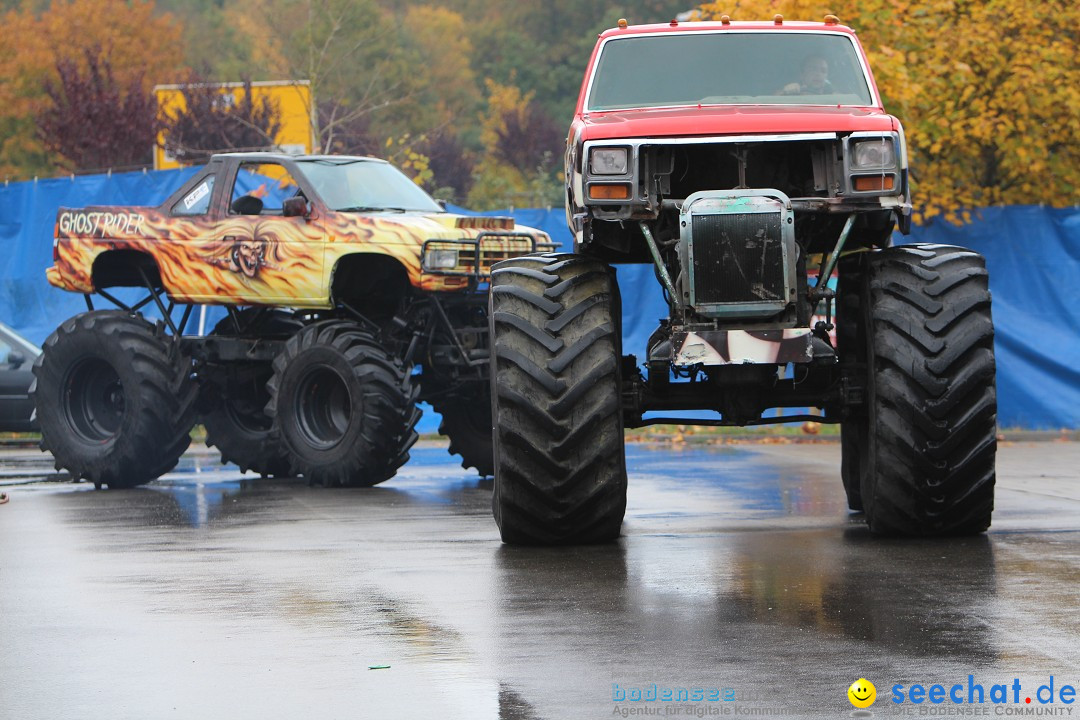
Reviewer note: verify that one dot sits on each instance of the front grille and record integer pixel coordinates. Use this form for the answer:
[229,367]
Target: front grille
[496,250]
[476,256]
[738,258]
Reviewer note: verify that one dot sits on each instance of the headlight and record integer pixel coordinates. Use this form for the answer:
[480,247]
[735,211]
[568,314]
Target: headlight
[873,154]
[440,259]
[607,161]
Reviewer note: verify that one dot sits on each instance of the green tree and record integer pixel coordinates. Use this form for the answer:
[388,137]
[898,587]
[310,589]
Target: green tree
[218,38]
[350,50]
[443,89]
[543,46]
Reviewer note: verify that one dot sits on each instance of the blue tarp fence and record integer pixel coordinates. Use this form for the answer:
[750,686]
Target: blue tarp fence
[1033,254]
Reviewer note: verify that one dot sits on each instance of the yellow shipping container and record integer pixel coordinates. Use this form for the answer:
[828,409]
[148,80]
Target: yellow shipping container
[293,98]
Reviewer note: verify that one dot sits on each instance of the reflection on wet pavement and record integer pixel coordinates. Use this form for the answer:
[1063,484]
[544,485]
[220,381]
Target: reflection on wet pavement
[226,595]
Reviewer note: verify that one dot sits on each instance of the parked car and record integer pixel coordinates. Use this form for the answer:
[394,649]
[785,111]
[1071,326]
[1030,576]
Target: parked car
[17,356]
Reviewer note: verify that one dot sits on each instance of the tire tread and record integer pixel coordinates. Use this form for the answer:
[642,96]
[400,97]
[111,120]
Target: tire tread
[931,467]
[560,473]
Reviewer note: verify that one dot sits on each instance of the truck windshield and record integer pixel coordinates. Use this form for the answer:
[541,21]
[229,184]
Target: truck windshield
[365,185]
[729,68]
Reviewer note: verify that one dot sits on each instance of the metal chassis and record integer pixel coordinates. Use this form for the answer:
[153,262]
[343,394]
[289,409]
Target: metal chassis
[229,349]
[835,387]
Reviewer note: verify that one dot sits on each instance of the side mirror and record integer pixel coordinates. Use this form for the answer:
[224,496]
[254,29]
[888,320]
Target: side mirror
[16,359]
[295,207]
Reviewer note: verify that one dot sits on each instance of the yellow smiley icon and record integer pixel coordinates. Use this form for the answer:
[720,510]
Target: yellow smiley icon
[862,693]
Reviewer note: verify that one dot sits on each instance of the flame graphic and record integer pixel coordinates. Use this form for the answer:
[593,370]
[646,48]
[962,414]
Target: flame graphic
[265,259]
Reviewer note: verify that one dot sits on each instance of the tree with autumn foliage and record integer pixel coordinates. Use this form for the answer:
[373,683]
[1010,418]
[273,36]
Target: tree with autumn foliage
[92,120]
[138,43]
[987,90]
[215,119]
[451,167]
[522,162]
[528,139]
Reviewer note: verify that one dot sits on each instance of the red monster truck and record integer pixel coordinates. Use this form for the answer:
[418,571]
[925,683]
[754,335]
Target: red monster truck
[340,276]
[734,157]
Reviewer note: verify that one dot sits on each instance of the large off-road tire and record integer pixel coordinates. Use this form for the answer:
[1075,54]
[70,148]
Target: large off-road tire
[234,398]
[852,440]
[468,425]
[344,407]
[560,466]
[851,345]
[928,465]
[115,399]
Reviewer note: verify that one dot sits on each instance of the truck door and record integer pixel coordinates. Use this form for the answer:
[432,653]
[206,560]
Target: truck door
[264,257]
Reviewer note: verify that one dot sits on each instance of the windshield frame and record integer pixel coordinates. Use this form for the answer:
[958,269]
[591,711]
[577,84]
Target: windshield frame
[867,75]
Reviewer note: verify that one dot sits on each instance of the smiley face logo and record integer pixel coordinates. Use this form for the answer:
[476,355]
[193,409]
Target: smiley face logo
[862,693]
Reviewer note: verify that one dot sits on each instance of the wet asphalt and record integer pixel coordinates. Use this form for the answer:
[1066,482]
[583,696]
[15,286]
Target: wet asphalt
[211,594]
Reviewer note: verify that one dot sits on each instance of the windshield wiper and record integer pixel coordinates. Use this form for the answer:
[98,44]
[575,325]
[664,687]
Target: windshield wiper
[334,161]
[371,208]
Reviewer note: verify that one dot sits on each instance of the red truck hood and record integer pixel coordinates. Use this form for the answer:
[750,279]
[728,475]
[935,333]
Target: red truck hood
[730,120]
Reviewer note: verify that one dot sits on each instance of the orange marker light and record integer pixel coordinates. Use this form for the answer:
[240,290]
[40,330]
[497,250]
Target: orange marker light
[609,192]
[832,20]
[622,23]
[725,19]
[778,19]
[877,182]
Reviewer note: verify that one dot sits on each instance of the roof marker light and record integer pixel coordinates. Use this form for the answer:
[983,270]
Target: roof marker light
[674,22]
[778,19]
[622,23]
[832,20]
[725,19]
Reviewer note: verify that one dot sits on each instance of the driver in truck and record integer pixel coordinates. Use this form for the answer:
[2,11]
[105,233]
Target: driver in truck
[813,80]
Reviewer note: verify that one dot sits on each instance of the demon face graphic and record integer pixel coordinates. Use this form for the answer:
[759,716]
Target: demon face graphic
[245,256]
[248,256]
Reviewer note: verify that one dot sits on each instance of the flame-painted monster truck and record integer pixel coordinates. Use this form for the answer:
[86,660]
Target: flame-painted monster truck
[339,275]
[737,158]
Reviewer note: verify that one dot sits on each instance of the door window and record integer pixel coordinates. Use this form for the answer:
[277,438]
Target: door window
[196,202]
[261,189]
